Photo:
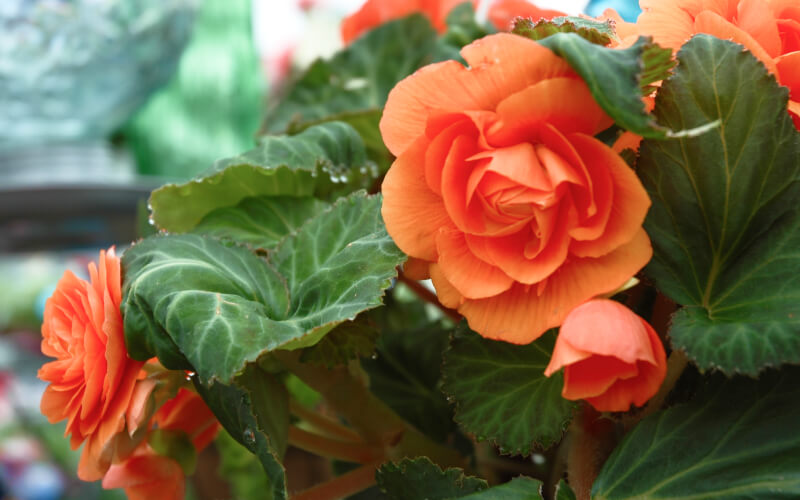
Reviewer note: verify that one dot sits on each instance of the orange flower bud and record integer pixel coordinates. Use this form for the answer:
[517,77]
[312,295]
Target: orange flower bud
[611,357]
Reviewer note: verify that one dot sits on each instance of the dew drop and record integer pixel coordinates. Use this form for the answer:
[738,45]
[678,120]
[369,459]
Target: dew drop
[249,436]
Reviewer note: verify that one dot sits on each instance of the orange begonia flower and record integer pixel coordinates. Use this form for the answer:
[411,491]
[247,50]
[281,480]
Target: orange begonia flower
[503,12]
[611,357]
[146,475]
[376,12]
[769,29]
[500,185]
[92,380]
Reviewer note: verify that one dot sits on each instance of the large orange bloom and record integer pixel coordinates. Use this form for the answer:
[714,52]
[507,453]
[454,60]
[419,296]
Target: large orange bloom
[503,12]
[770,29]
[611,357]
[376,12]
[92,380]
[146,475]
[501,187]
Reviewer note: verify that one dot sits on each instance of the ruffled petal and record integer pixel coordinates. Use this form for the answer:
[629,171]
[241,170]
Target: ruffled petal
[500,65]
[630,200]
[564,103]
[471,276]
[716,25]
[412,212]
[523,313]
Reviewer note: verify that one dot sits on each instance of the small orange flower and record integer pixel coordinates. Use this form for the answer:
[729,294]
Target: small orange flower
[376,12]
[611,357]
[500,185]
[503,12]
[769,29]
[92,380]
[146,475]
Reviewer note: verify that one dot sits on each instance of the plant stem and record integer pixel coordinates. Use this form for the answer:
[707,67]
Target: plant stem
[428,296]
[349,451]
[343,486]
[592,438]
[323,424]
[372,418]
[676,363]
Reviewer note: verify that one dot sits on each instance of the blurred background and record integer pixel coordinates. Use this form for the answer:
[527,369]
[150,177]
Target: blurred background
[102,101]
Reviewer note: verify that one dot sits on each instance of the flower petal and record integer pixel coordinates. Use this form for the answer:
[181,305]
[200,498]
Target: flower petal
[521,314]
[412,212]
[501,65]
[630,200]
[472,277]
[564,103]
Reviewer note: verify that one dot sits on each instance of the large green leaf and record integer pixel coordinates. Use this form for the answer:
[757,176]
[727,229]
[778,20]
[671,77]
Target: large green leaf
[356,81]
[202,305]
[616,78]
[501,392]
[262,221]
[406,375]
[348,341]
[519,488]
[338,264]
[420,478]
[725,223]
[738,439]
[212,307]
[312,162]
[256,415]
[597,32]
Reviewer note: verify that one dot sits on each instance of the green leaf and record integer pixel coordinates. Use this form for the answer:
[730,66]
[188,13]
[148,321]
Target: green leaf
[519,488]
[421,478]
[255,412]
[261,222]
[176,445]
[462,29]
[357,80]
[301,165]
[337,266]
[350,340]
[564,492]
[592,30]
[201,305]
[617,77]
[724,222]
[406,375]
[737,439]
[211,307]
[241,469]
[501,392]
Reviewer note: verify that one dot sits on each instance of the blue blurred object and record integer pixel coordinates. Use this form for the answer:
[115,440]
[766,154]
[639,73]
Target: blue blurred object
[38,481]
[77,69]
[628,9]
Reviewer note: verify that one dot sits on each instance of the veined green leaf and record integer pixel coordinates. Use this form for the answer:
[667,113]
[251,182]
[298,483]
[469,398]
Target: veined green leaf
[725,223]
[420,478]
[211,307]
[501,392]
[617,77]
[737,439]
[255,412]
[597,32]
[350,340]
[519,488]
[262,221]
[301,165]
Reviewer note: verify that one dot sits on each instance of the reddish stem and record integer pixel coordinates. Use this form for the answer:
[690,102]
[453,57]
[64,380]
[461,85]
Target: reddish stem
[343,486]
[323,446]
